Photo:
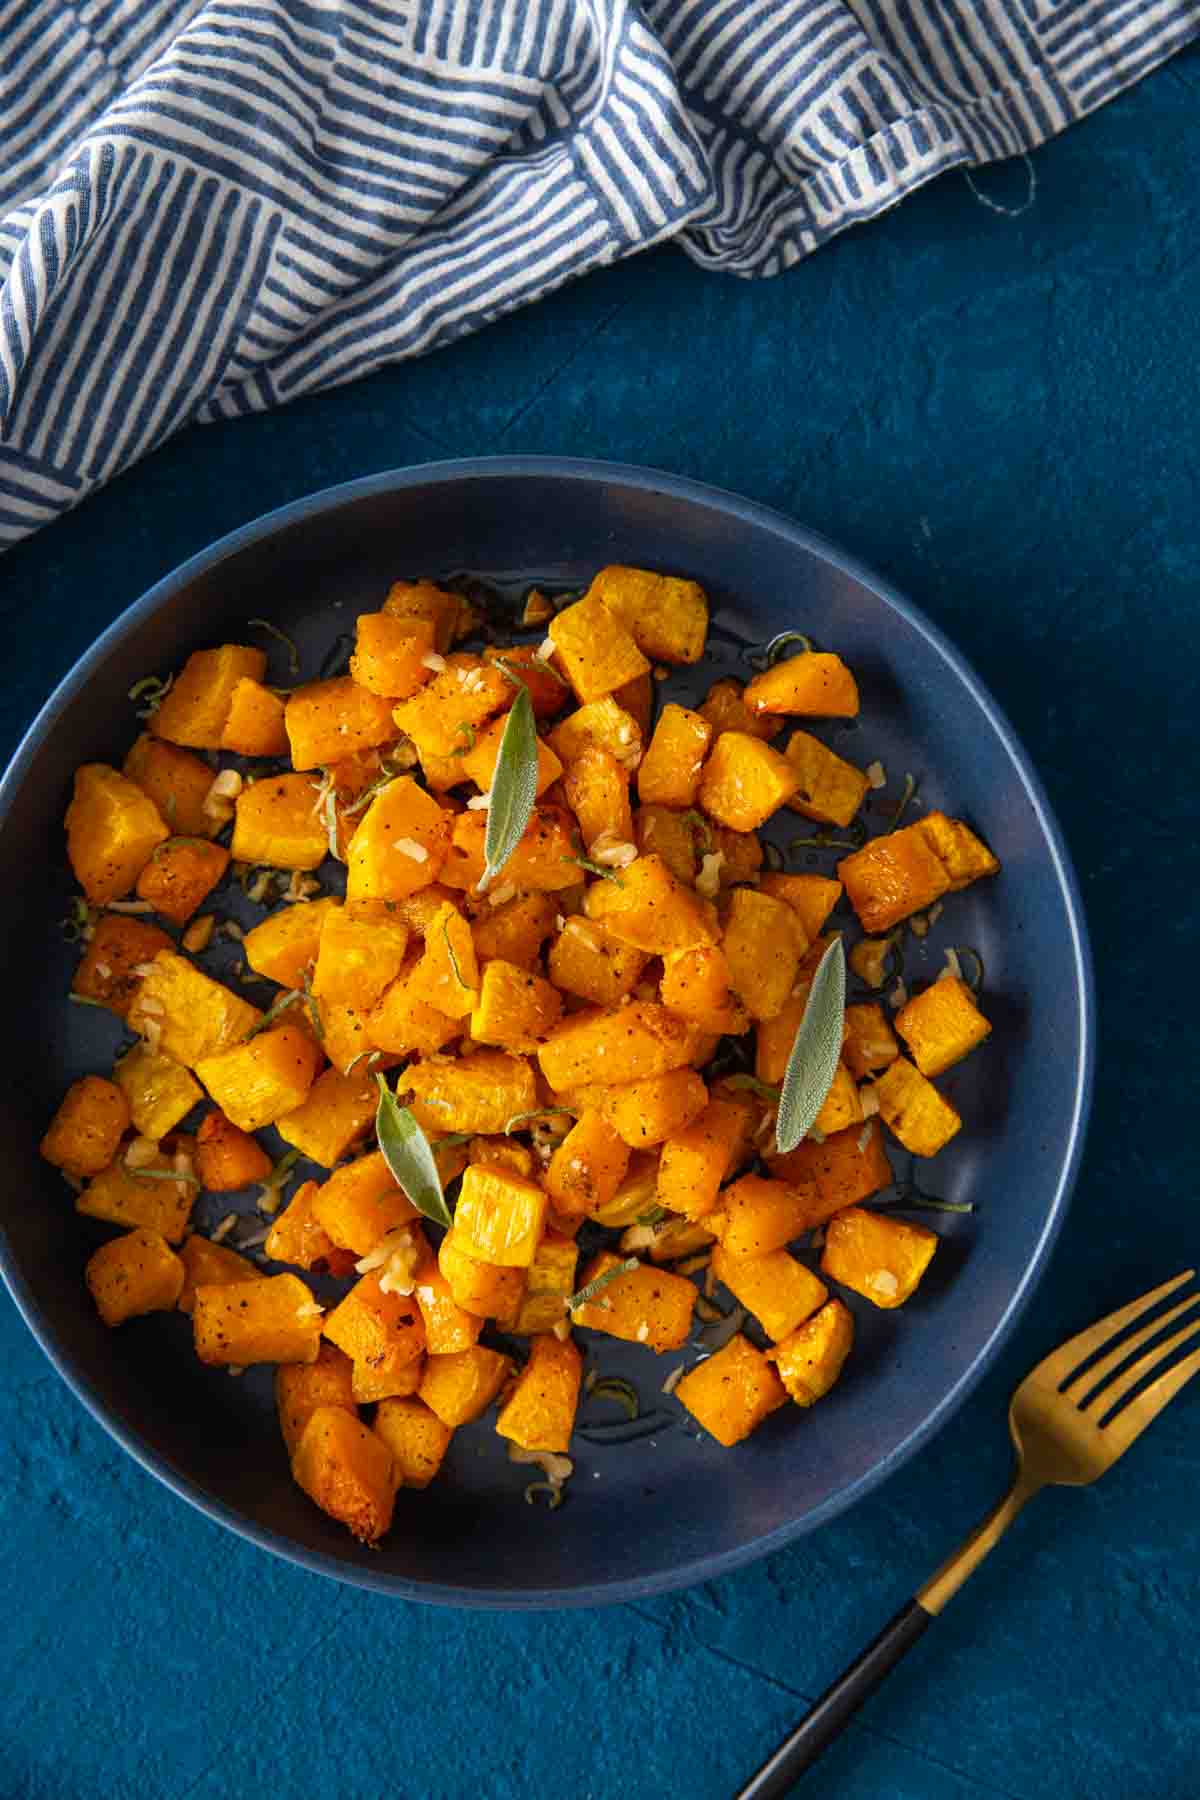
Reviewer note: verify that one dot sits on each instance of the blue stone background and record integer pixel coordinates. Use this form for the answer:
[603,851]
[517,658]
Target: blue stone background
[999,413]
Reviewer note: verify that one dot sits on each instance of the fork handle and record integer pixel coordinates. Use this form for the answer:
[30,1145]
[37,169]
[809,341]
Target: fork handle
[838,1704]
[833,1711]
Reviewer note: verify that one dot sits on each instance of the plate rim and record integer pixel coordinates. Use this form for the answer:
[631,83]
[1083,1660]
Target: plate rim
[710,1565]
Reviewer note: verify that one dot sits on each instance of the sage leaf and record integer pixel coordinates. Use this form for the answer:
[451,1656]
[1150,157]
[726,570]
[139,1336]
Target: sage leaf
[813,1062]
[514,787]
[407,1154]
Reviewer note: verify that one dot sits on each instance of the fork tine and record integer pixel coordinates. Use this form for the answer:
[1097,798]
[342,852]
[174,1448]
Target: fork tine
[1111,1395]
[1087,1380]
[1062,1362]
[1130,1423]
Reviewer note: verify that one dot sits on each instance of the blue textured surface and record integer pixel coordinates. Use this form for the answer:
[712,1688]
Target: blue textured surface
[1000,415]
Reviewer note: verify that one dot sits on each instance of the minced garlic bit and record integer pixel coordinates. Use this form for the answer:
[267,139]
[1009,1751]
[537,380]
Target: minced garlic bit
[708,881]
[545,650]
[640,1237]
[953,968]
[198,935]
[876,775]
[864,1137]
[129,906]
[480,802]
[673,1379]
[885,1283]
[611,852]
[260,886]
[643,1332]
[898,996]
[154,1007]
[223,1230]
[409,847]
[140,1153]
[218,802]
[431,660]
[661,673]
[103,970]
[301,887]
[398,1255]
[868,1099]
[472,680]
[152,1032]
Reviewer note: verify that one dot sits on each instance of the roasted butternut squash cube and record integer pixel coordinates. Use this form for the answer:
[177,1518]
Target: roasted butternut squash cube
[697,985]
[400,844]
[941,1025]
[697,1160]
[328,720]
[134,1274]
[370,1384]
[158,1091]
[844,1168]
[913,1110]
[624,1043]
[831,789]
[479,762]
[585,960]
[448,1326]
[459,1387]
[548,692]
[814,683]
[449,614]
[176,781]
[551,1279]
[596,787]
[892,877]
[773,1038]
[254,725]
[481,1288]
[300,1388]
[187,1015]
[649,1111]
[480,1092]
[295,1235]
[763,945]
[670,835]
[603,722]
[543,860]
[401,1023]
[446,976]
[870,1041]
[732,1392]
[356,957]
[180,874]
[778,1290]
[667,615]
[514,1008]
[963,856]
[384,1331]
[334,1115]
[725,710]
[195,709]
[416,1438]
[461,698]
[678,1238]
[539,1413]
[113,829]
[740,854]
[390,654]
[258,1082]
[811,897]
[881,1258]
[505,1152]
[842,1105]
[119,946]
[83,1135]
[648,908]
[635,1195]
[597,653]
[516,930]
[286,944]
[744,781]
[361,1203]
[500,1216]
[347,1470]
[669,774]
[810,1359]
[156,1196]
[274,823]
[644,1306]
[242,1322]
[757,1216]
[588,1166]
[210,1265]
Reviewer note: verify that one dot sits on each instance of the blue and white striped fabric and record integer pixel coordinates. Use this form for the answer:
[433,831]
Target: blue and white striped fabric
[210,206]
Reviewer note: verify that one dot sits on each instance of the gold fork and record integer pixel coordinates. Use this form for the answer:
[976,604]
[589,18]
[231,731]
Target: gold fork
[1066,1433]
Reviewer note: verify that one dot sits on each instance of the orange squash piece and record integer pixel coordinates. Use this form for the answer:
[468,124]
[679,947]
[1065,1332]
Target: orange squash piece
[210,1265]
[476,1093]
[664,832]
[778,1290]
[147,1198]
[648,908]
[744,781]
[134,1274]
[647,1112]
[254,726]
[295,1235]
[479,762]
[669,774]
[361,1203]
[811,897]
[443,716]
[118,946]
[228,1158]
[539,1413]
[725,710]
[383,1330]
[112,831]
[913,1110]
[597,791]
[459,1387]
[258,1082]
[242,1322]
[300,1388]
[180,875]
[941,1025]
[482,1288]
[588,1167]
[400,844]
[548,1283]
[446,976]
[757,1216]
[390,655]
[334,1115]
[604,722]
[585,960]
[831,789]
[285,945]
[274,823]
[732,1392]
[176,781]
[516,930]
[667,615]
[83,1135]
[644,1306]
[347,1470]
[870,1041]
[543,860]
[597,653]
[514,1007]
[610,1045]
[548,692]
[698,985]
[416,1438]
[328,720]
[810,1359]
[447,613]
[815,683]
[892,877]
[763,945]
[845,1168]
[881,1258]
[195,709]
[697,1160]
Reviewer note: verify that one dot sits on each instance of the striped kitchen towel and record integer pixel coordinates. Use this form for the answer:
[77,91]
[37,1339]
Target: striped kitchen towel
[209,206]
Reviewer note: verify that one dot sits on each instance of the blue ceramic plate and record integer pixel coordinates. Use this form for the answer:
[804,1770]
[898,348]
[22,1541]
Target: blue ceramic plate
[669,1507]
